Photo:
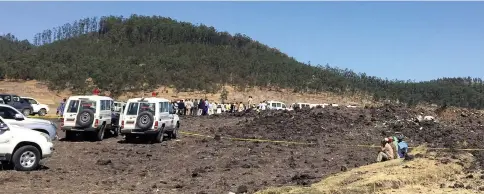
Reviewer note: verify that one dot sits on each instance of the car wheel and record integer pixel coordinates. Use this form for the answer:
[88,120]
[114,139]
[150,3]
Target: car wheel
[42,112]
[174,133]
[159,135]
[26,158]
[100,133]
[116,132]
[26,112]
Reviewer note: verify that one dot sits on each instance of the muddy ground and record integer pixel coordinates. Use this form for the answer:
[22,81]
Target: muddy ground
[194,164]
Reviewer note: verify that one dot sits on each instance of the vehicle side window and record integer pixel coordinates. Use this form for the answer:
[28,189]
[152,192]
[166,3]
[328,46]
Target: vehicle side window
[16,99]
[108,104]
[170,106]
[7,113]
[166,107]
[31,101]
[103,104]
[160,107]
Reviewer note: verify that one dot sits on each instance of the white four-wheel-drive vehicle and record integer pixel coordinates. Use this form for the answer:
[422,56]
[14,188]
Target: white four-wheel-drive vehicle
[91,114]
[38,108]
[150,117]
[276,105]
[22,147]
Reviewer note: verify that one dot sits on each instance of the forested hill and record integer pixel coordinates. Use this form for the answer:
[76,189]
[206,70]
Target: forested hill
[129,54]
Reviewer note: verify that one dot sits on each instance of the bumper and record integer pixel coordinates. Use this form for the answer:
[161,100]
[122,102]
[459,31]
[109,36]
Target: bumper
[78,129]
[139,131]
[47,150]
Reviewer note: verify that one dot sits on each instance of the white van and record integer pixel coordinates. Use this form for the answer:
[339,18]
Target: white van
[149,116]
[91,114]
[276,105]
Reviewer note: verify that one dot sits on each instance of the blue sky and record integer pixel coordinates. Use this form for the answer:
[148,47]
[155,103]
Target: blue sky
[396,40]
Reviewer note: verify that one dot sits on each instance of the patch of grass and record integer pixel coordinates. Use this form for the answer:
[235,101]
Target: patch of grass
[421,175]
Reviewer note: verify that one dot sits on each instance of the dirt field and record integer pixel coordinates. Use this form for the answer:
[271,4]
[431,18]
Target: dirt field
[195,164]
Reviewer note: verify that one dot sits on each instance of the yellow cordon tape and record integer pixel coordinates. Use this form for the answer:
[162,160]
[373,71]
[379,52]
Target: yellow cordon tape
[305,143]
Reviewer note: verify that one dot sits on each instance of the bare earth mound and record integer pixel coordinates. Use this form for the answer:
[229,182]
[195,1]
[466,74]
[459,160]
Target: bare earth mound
[200,164]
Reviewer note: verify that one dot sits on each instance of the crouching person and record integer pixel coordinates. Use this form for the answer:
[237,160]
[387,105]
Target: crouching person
[402,147]
[386,152]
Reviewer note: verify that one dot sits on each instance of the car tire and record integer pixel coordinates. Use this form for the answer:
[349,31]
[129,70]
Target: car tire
[159,136]
[85,118]
[145,120]
[26,112]
[174,134]
[42,112]
[116,131]
[100,133]
[26,158]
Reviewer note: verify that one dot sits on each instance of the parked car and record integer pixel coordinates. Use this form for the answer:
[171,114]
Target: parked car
[276,105]
[14,117]
[89,114]
[15,101]
[37,108]
[22,147]
[149,117]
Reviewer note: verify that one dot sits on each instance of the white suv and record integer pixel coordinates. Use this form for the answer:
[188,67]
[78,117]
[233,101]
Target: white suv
[149,116]
[22,147]
[38,108]
[91,114]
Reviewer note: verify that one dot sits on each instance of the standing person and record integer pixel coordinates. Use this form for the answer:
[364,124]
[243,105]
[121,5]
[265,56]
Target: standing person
[181,107]
[206,106]
[195,107]
[386,151]
[201,106]
[249,102]
[60,109]
[241,107]
[188,106]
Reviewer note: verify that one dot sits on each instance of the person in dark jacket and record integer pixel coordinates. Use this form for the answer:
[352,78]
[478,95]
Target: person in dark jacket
[195,107]
[181,107]
[201,106]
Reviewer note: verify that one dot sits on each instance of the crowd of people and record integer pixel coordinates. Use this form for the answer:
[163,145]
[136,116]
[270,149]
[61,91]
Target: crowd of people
[392,148]
[198,107]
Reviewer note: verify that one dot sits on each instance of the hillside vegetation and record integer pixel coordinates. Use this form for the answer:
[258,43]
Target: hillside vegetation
[141,53]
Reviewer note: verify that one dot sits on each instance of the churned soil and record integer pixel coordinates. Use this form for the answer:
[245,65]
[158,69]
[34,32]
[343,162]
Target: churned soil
[197,164]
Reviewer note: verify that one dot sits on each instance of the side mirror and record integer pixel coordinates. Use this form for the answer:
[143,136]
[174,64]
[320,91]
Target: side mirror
[19,117]
[3,127]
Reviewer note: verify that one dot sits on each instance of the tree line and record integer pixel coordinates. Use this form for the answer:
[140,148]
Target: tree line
[136,53]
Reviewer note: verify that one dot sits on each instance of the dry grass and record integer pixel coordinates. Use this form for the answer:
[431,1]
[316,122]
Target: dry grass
[40,91]
[422,175]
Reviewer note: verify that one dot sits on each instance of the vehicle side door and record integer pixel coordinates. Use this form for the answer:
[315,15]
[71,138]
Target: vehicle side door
[105,111]
[5,140]
[19,103]
[8,114]
[34,103]
[165,115]
[70,112]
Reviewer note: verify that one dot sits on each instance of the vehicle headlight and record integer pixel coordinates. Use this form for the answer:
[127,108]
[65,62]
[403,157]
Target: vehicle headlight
[47,137]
